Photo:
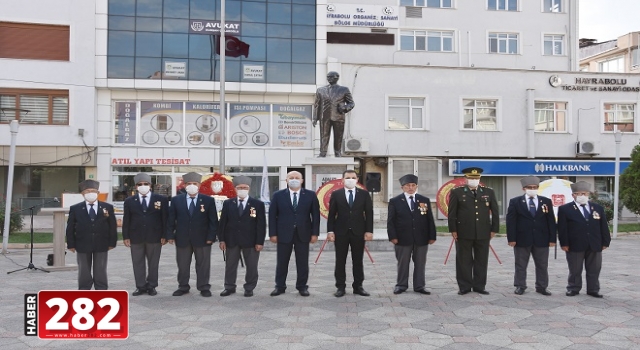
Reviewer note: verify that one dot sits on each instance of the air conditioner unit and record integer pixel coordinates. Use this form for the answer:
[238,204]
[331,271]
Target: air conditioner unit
[356,145]
[587,148]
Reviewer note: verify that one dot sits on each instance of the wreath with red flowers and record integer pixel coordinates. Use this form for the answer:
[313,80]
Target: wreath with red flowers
[228,189]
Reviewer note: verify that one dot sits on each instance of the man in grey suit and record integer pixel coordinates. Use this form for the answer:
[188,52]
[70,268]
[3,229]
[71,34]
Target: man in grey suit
[331,104]
[143,230]
[192,226]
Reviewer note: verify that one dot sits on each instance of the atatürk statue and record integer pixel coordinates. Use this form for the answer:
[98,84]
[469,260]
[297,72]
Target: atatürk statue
[332,103]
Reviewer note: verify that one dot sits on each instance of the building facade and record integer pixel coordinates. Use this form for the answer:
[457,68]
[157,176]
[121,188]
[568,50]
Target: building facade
[620,55]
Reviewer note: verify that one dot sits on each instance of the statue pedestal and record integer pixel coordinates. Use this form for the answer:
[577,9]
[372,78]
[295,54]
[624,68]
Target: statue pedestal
[321,170]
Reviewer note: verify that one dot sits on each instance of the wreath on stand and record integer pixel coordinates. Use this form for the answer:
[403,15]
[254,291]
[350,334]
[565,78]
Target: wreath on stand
[228,189]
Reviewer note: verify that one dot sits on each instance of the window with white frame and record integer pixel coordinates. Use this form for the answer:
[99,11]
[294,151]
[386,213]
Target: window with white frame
[613,65]
[550,116]
[620,113]
[406,113]
[428,3]
[421,40]
[506,43]
[553,45]
[635,57]
[502,5]
[552,5]
[480,114]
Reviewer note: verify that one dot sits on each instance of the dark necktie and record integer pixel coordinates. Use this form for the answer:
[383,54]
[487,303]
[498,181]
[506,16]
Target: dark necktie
[474,192]
[240,208]
[350,198]
[192,207]
[92,213]
[584,211]
[413,203]
[144,203]
[295,200]
[532,207]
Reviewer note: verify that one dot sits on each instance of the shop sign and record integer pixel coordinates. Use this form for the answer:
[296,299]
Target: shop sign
[537,167]
[150,161]
[359,15]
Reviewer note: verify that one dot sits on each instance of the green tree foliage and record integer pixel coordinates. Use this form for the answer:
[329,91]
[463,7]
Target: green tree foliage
[630,183]
[15,223]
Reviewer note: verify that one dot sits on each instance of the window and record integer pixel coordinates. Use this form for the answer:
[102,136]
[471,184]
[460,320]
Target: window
[551,116]
[406,113]
[502,5]
[503,43]
[480,114]
[620,113]
[553,45]
[42,106]
[552,5]
[428,3]
[428,170]
[613,65]
[420,40]
[635,57]
[34,41]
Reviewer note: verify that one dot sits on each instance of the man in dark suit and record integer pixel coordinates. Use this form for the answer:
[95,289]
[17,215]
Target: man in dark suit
[531,230]
[192,226]
[331,104]
[474,220]
[350,223]
[143,230]
[243,226]
[91,233]
[411,228]
[294,222]
[583,233]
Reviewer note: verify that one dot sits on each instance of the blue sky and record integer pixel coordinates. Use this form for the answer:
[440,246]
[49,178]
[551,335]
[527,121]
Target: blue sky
[608,19]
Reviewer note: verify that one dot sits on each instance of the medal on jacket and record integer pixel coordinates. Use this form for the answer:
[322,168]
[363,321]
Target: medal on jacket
[595,214]
[545,209]
[423,209]
[157,205]
[202,208]
[252,212]
[105,212]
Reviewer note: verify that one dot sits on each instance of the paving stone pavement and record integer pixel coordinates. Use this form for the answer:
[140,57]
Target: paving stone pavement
[442,320]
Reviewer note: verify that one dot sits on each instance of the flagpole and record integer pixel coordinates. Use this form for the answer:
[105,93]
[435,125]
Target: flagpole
[223,109]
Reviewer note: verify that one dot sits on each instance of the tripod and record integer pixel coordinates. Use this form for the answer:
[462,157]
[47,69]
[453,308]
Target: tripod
[31,266]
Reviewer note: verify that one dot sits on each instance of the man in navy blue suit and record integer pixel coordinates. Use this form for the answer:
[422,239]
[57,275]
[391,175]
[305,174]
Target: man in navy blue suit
[350,223]
[143,230]
[294,222]
[411,229]
[242,231]
[91,234]
[192,226]
[583,233]
[531,230]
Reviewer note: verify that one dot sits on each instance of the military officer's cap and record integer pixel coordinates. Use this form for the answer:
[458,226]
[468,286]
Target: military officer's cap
[88,184]
[472,172]
[581,186]
[142,177]
[530,181]
[242,180]
[408,179]
[192,177]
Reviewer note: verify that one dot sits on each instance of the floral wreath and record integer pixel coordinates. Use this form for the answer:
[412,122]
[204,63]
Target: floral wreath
[228,189]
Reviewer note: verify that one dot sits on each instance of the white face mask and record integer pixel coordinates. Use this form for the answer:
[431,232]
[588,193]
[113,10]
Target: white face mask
[532,193]
[294,183]
[192,189]
[144,189]
[91,197]
[473,182]
[350,183]
[582,200]
[242,193]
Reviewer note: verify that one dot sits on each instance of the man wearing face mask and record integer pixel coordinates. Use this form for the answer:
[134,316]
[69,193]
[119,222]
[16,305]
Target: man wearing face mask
[474,220]
[350,223]
[143,230]
[192,226]
[91,233]
[583,233]
[294,222]
[243,226]
[531,230]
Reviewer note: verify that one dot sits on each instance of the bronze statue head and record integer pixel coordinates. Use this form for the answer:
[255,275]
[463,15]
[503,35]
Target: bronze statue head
[332,77]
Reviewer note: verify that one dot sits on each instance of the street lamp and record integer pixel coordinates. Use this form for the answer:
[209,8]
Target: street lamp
[617,134]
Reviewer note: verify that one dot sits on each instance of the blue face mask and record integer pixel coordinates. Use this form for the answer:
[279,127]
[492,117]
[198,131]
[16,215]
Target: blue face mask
[294,183]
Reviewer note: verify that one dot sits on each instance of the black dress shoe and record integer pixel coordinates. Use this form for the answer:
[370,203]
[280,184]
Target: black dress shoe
[360,291]
[464,291]
[152,291]
[248,293]
[277,292]
[595,294]
[180,292]
[543,292]
[205,293]
[571,293]
[304,292]
[519,291]
[227,292]
[139,291]
[339,293]
[398,290]
[481,291]
[423,291]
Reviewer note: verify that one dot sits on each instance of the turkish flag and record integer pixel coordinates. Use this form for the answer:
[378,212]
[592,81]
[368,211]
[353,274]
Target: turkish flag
[234,47]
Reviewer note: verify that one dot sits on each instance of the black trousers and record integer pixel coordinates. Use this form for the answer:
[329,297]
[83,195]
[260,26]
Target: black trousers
[357,253]
[284,251]
[472,259]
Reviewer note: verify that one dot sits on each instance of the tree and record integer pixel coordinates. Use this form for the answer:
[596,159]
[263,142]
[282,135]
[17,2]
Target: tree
[630,183]
[15,222]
